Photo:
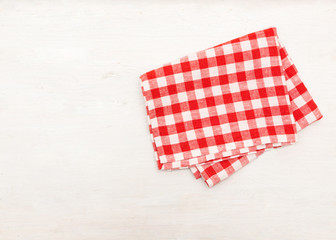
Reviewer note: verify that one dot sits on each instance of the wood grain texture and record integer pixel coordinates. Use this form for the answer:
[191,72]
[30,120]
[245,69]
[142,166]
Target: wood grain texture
[76,160]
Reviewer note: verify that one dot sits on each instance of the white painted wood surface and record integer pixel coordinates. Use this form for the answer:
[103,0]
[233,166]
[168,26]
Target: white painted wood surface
[76,161]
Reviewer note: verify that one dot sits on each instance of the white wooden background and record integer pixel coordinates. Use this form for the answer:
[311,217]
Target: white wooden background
[76,161]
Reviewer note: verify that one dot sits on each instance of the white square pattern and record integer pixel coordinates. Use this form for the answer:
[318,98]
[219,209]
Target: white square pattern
[248,65]
[161,81]
[173,139]
[192,57]
[216,90]
[182,96]
[196,152]
[221,109]
[196,74]
[191,135]
[256,103]
[145,85]
[210,53]
[234,87]
[204,113]
[166,101]
[273,101]
[231,68]
[252,84]
[199,93]
[261,122]
[186,116]
[245,45]
[277,120]
[179,78]
[169,119]
[154,122]
[239,106]
[265,62]
[262,42]
[269,82]
[213,71]
[227,48]
[243,125]
[225,128]
[208,132]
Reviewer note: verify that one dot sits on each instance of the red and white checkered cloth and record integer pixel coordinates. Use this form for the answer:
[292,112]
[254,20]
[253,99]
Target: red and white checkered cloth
[215,110]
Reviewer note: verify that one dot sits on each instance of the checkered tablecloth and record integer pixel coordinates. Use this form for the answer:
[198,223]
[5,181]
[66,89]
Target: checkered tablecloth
[216,110]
